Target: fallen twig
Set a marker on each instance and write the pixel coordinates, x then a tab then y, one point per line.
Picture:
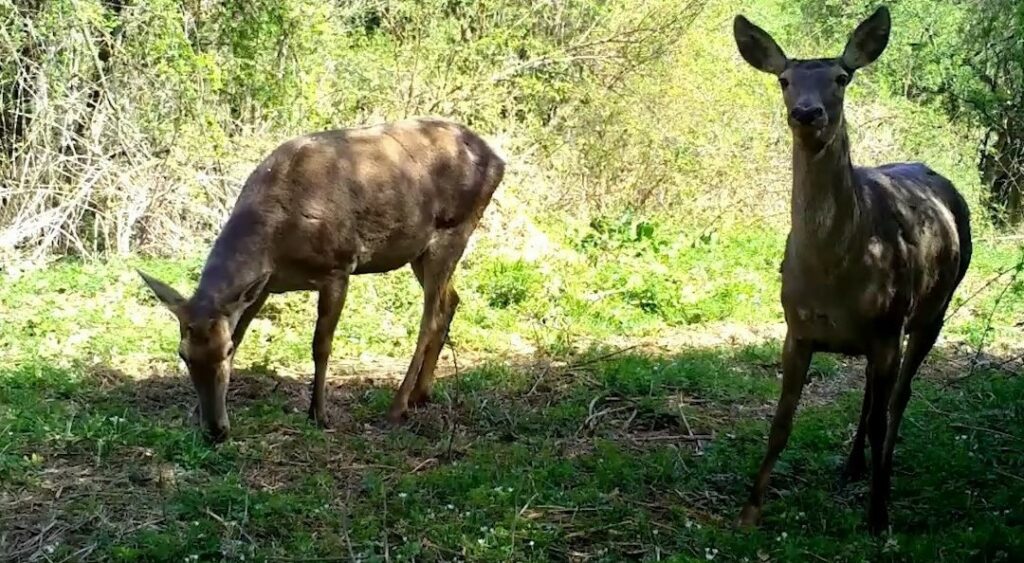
219	520
451	405
679	437
981	289
536	382
423	464
602	357
989	430
689	430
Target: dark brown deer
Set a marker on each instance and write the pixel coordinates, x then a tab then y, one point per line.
873	255
319	209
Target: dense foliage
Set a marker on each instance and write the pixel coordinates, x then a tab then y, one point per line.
120	119
129	125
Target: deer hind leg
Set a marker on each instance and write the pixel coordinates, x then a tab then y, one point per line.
884	359
425	379
437	264
918	345
856	464
329	306
796	358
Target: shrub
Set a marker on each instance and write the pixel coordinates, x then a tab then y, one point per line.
505	283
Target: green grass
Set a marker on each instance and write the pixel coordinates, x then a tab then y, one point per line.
557	440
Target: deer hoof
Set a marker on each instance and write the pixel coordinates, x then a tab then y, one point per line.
419	398
750	516
319	418
397	415
854	470
878	522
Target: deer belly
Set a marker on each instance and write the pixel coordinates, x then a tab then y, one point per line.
394	253
285	280
831	330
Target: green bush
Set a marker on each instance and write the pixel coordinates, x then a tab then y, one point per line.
131	126
623	233
506	283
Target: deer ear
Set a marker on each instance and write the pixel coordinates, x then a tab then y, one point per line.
868	41
245	295
165	293
757	47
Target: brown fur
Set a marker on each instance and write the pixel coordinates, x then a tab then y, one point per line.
873	254
325	206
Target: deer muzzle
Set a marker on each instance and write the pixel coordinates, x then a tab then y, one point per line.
213	412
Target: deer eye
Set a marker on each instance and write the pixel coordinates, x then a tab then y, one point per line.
230	350
784	83
843	79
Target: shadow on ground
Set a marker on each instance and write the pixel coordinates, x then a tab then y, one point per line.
610	455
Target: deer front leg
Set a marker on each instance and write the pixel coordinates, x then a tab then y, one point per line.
796	358
329	306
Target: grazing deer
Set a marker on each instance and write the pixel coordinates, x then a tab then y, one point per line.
873	254
319	209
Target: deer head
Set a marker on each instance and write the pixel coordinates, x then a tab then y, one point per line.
813	89
206	345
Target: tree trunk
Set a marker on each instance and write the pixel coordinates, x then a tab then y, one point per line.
1001	168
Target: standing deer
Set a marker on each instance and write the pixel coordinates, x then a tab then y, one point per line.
319	209
873	254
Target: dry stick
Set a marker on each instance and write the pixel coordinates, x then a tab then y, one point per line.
689	430
632	417
1012	359
991	313
424	463
81	554
219	520
570	367
242	469
346	522
946	414
455	398
1003	238
601	358
690	438
984	286
536	383
986	429
309	559
519	514
593	417
384	532
1008	474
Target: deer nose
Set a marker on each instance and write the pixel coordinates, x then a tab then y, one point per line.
806	115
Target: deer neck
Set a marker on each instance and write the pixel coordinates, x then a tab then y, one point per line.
825	211
238	257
